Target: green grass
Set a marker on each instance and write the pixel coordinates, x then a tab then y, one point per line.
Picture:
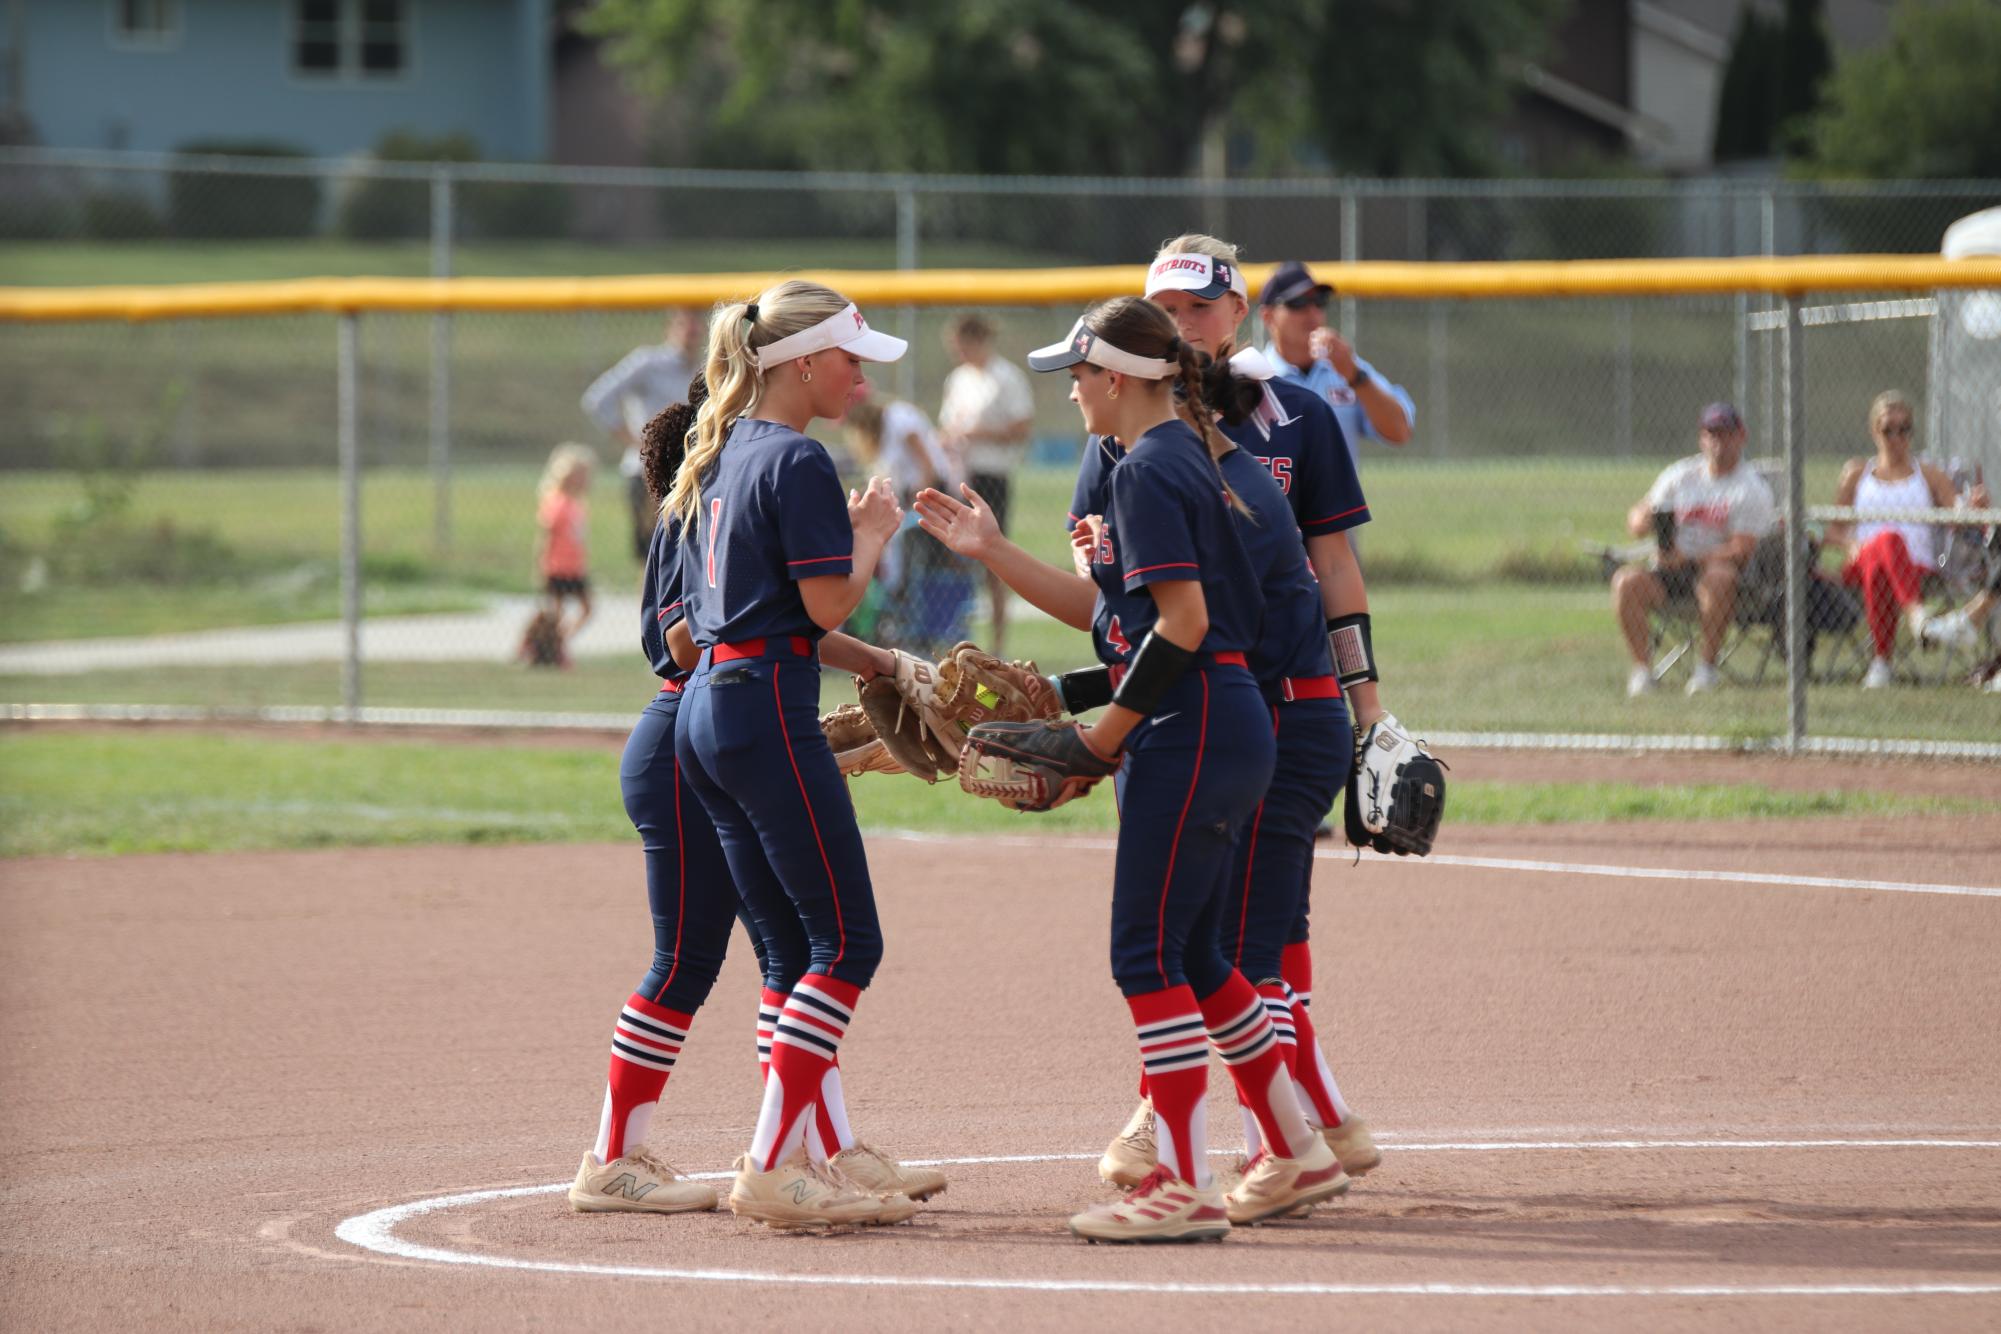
96	263
109	793
1465	646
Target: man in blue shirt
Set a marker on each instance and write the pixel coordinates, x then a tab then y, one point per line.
1294	309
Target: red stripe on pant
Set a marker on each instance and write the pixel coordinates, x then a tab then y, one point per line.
812	820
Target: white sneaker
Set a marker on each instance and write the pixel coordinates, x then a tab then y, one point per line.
641	1182
1878	675
1639	681
1952	629
1703	678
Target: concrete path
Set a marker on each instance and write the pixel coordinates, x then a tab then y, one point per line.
491	635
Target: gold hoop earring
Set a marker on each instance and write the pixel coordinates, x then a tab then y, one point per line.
1113	392
805	377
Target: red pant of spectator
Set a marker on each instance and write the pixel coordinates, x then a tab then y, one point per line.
1890	581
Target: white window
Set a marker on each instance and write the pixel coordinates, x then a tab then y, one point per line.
145	25
349	39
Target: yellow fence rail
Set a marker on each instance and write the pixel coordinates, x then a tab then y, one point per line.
1790	276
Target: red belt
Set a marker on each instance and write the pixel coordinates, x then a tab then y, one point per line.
802	647
670	687
1229	658
1309	687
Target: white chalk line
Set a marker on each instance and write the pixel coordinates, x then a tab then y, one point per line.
376	1231
1516	864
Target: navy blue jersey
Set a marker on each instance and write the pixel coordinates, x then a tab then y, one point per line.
660	603
1308	457
773	513
1293	638
1166	519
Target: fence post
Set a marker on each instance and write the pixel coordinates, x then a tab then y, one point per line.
906	259
1622	375
1438	418
441	365
347	408
1351	250
1793	375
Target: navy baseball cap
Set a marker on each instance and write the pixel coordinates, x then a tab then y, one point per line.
1721	417
1289	282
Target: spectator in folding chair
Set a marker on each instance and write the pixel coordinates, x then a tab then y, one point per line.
1707	513
1889	559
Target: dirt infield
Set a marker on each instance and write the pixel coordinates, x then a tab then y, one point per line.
1673	1101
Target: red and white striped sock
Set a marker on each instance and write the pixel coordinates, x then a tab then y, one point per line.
830	1114
804	1043
1319	1096
1278	1008
1174	1053
769	1003
644	1047
1237	1024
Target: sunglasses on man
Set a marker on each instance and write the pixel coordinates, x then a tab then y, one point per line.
1317	300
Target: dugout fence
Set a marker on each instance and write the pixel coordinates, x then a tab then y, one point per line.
246	487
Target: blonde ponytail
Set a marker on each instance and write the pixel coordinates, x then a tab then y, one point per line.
736	385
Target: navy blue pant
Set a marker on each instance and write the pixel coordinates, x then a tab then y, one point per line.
1271	875
1194	773
751	747
687	881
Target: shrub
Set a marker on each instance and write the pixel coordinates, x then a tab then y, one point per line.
119	215
516	210
215	206
380	209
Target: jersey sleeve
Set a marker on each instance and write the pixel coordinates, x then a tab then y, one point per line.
1088	496
812	515
1661	493
1394	390
1155	540
1326	495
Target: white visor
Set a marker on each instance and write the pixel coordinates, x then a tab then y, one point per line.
1083	345
1202	275
847	331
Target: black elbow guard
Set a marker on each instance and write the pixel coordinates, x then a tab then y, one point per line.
1155	668
1354	651
1085	689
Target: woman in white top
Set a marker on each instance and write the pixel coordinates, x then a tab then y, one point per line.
929	587
1889	559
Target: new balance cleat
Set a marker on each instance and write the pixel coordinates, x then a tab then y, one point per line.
804	1195
639	1183
874	1170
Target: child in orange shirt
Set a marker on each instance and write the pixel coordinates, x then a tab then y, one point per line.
563	549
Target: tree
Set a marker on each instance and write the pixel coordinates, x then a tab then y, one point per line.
1926	103
1803	63
1747	109
1103	86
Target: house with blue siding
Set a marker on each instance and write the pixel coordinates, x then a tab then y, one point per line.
328	77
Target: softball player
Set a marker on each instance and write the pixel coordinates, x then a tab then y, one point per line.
1174	603
774	557
1294	435
692	902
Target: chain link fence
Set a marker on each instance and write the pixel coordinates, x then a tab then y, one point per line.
170	523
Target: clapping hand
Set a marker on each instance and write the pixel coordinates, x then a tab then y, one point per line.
965	528
874	512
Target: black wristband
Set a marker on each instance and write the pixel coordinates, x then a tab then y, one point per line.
1354	651
1155	668
1085	689
1362	377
